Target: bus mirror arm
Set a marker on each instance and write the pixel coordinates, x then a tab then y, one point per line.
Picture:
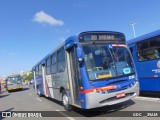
80	54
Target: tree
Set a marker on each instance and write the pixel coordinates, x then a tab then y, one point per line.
27	77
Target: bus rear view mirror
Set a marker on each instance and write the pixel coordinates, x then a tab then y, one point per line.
80	54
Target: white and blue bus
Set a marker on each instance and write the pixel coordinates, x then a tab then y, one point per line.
90	70
146	53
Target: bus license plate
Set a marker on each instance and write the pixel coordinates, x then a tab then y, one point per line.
104	76
120	95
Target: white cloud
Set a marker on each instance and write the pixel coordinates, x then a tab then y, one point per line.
42	17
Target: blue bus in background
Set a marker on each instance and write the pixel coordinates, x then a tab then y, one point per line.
89	70
146	53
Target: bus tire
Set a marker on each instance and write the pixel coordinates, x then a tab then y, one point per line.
38	92
65	101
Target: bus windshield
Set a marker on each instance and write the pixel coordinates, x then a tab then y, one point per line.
14	80
107	61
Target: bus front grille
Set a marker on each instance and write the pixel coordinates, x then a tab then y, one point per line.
114	98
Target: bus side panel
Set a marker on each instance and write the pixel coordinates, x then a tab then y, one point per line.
39	84
147	80
147	84
147	69
146	75
59	81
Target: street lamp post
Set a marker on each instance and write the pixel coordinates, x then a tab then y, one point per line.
132	24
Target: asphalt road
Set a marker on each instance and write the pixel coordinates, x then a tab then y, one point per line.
27	100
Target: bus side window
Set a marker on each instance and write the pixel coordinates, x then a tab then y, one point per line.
61	60
40	69
157	53
155	46
36	70
54	63
140	58
142	50
48	62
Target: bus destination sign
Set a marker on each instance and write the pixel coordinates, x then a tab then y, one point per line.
101	37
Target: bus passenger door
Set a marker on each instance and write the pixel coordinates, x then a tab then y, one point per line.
75	75
44	80
47	82
35	81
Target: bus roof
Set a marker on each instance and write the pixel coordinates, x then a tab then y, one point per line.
143	37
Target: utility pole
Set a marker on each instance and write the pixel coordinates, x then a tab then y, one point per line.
132	24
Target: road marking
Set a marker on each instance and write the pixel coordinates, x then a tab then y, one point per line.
39	99
147	99
29	93
65	115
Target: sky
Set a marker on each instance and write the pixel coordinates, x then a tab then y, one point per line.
30	29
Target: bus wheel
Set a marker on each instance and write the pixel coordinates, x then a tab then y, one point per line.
65	101
38	92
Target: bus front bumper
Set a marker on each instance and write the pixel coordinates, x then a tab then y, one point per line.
94	99
15	88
